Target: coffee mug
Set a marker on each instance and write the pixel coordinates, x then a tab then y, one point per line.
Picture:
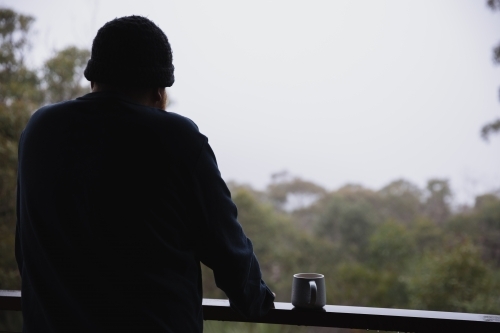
308	291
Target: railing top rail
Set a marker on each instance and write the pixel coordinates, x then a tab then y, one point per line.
335	316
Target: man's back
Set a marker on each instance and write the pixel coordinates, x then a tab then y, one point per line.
118	203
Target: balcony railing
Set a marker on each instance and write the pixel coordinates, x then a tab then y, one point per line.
335	316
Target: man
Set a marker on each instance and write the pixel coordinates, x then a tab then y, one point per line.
119	201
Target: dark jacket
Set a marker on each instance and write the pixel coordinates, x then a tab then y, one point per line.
117	205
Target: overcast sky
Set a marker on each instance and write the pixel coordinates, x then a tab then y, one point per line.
333	91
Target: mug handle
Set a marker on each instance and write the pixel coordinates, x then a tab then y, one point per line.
313	291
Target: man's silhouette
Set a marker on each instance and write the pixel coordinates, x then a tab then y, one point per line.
119	201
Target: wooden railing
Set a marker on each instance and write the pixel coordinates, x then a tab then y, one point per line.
336	316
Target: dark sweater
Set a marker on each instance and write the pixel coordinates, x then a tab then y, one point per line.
117	205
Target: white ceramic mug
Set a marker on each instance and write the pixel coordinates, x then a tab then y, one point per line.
308	291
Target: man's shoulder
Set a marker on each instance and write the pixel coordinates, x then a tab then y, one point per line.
183	131
50	111
181	121
100	107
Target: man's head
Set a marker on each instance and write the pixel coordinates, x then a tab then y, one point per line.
133	55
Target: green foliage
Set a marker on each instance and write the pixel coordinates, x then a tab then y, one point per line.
357	284
282	250
487	215
386	256
426	235
390	246
228	327
348	218
456	280
437	205
373	252
63	73
493	126
401	201
296	191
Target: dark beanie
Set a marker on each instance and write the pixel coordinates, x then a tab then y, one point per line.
131	51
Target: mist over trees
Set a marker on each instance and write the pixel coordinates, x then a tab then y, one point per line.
401	246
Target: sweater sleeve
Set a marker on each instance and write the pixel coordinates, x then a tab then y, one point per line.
18	252
222	244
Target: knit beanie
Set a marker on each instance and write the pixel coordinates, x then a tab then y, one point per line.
131	51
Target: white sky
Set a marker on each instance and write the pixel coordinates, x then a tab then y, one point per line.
332	91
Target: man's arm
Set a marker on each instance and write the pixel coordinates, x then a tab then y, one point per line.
223	246
18	251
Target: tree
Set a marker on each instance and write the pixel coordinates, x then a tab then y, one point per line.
493	126
487	215
494	4
347	221
281	248
456	280
437	205
288	193
390	246
296	196
402	201
63	73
